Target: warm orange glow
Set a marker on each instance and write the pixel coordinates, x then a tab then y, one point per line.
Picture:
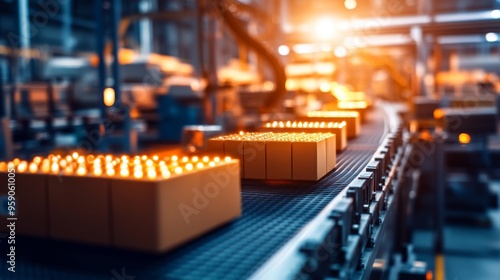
110	172
429	275
438	114
124	173
138	174
23	166
68	170
464	138
37	160
350	4
55	167
352	104
109	97
325	87
33	167
151	173
98	172
81	170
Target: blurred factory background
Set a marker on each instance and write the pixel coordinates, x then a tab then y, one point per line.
142	76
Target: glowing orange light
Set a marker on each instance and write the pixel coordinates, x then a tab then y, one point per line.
464	138
23	166
151	173
438	114
138	174
165	173
37	160
110	172
55	167
98	172
124	173
33	167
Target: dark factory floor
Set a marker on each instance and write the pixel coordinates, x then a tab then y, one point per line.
471	252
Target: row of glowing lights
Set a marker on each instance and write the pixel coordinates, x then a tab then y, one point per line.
290	124
270	136
138	167
353	104
333	114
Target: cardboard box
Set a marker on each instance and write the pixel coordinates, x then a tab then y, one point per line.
30	203
331	153
79	208
234	149
215	146
158	215
279	160
340	132
254	159
308	159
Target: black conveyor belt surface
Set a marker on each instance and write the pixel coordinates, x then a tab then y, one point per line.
272	215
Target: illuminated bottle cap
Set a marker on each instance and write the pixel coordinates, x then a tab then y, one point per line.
54	167
189	166
68	170
98	172
23	166
33	167
178	170
165	173
124	173
37	160
151	174
138	174
110	172
81	170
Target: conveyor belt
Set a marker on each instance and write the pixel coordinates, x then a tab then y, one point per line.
272	214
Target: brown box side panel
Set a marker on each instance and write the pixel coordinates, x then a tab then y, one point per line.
79	209
279	160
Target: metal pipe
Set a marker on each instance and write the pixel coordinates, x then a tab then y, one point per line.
102	66
123	109
24	34
67	40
